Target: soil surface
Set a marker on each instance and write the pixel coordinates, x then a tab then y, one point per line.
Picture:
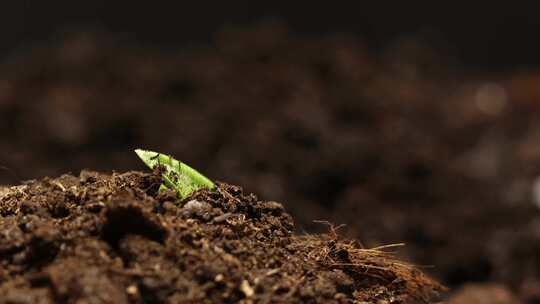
98	238
402	145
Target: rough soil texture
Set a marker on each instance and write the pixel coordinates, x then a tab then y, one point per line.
402	146
98	238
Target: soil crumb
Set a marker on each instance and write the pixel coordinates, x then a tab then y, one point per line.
100	238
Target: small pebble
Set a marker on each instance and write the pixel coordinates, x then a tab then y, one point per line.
219	278
247	289
131	290
195	205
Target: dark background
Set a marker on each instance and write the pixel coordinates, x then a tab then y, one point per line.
409	122
481	34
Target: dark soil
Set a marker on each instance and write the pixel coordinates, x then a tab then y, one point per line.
98	238
402	146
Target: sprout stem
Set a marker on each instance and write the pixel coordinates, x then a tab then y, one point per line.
177	175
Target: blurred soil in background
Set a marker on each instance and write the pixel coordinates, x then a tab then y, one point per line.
402	145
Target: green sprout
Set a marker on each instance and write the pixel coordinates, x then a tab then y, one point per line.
175	175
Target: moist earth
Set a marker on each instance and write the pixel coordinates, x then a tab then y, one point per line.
98	238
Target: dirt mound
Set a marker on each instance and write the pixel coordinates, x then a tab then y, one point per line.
98	238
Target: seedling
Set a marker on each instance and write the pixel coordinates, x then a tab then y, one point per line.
175	174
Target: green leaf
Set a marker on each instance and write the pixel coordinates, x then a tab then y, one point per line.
176	175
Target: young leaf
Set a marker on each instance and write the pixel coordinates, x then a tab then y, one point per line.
176	175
